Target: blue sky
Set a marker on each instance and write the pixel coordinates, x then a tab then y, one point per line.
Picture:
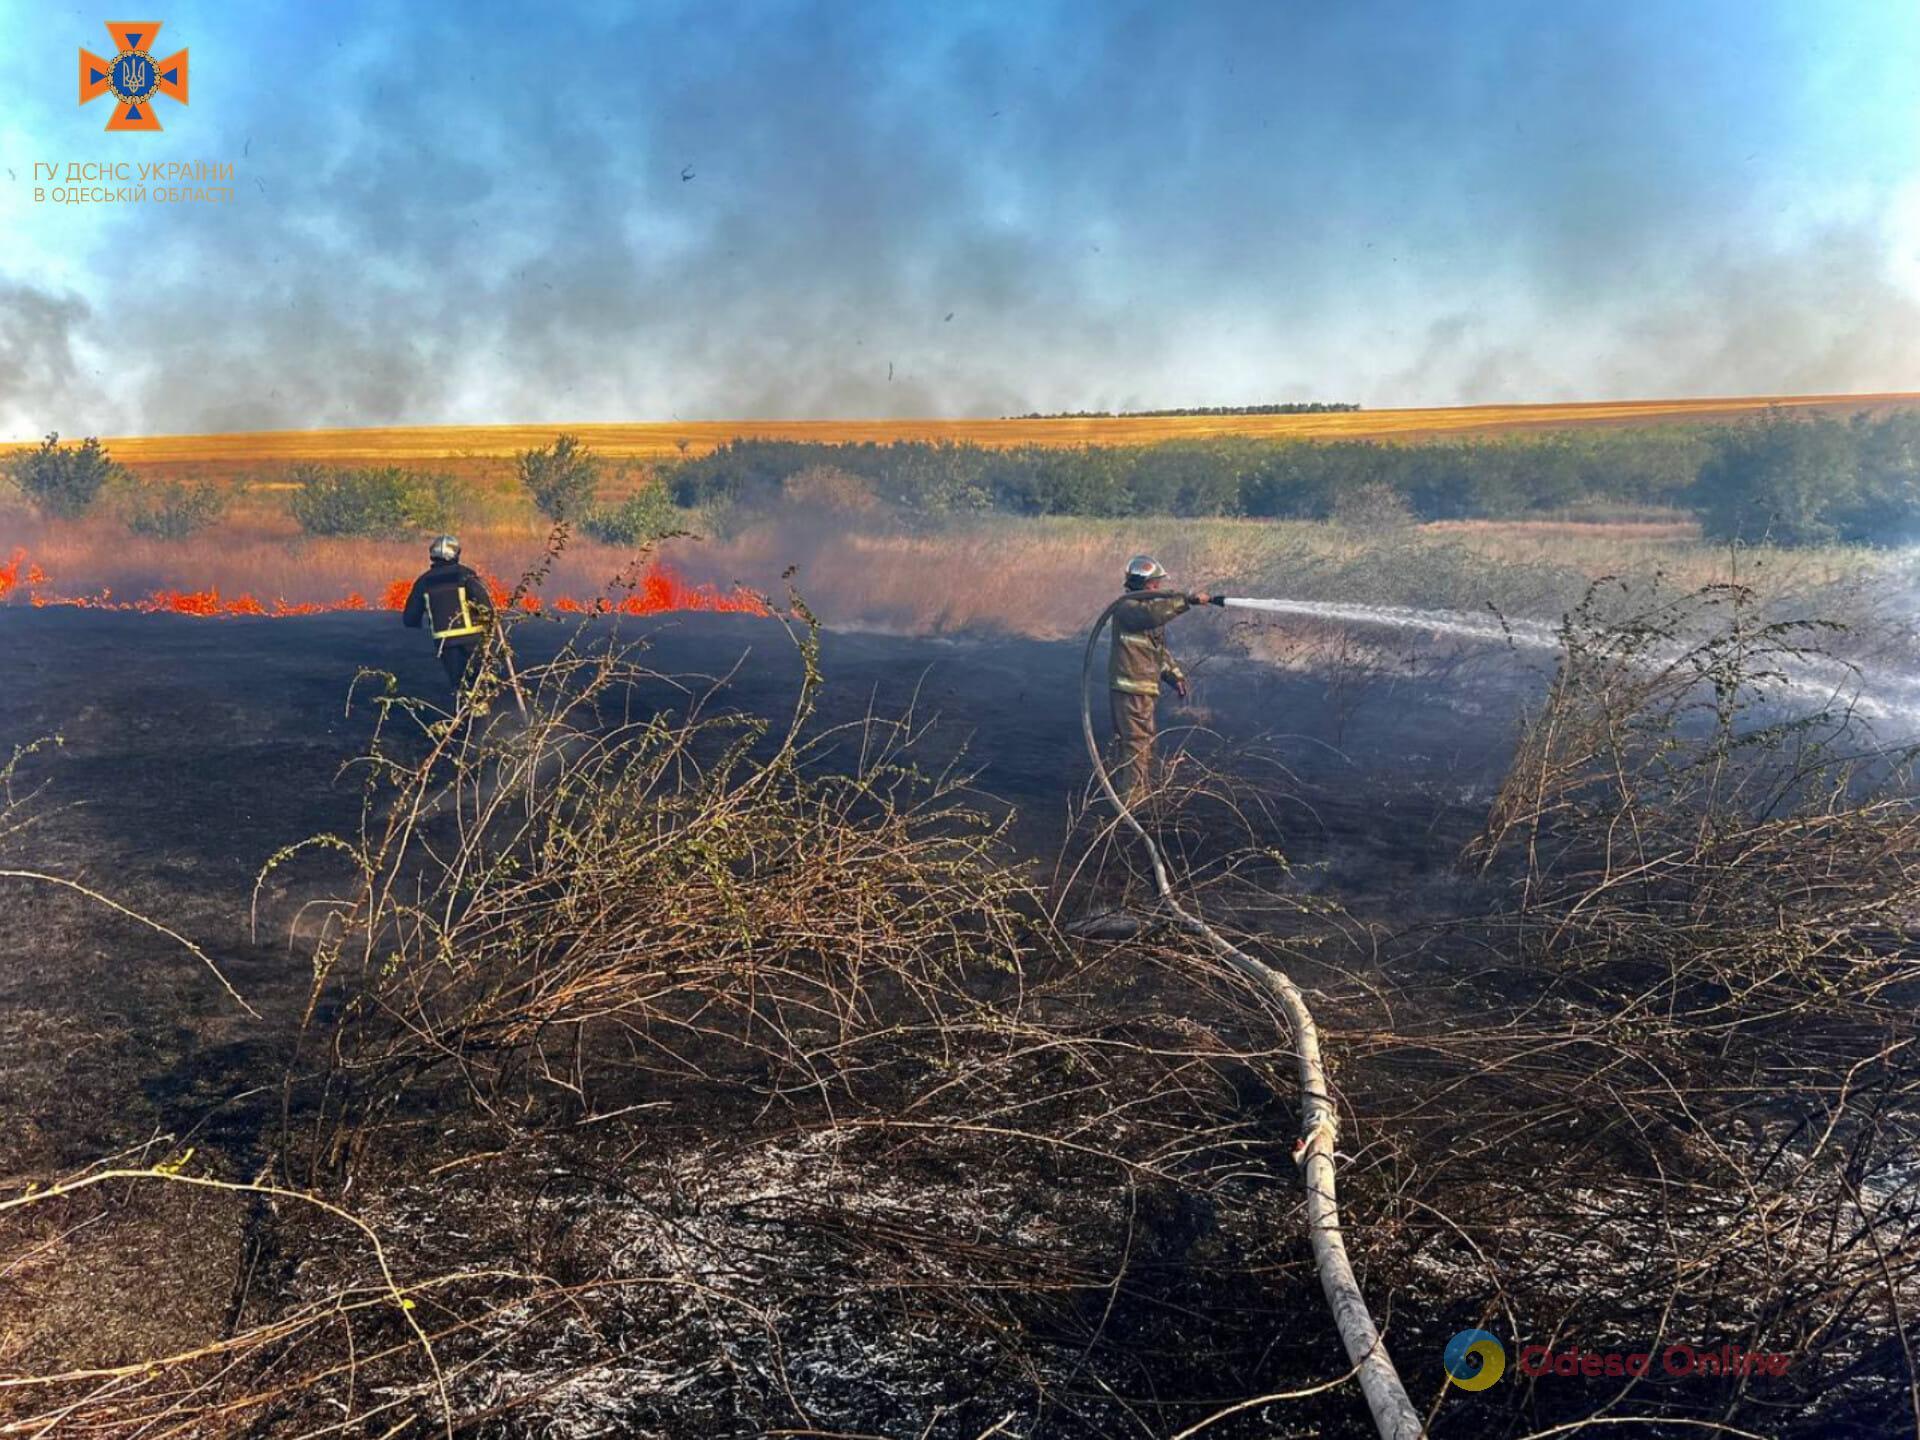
475	213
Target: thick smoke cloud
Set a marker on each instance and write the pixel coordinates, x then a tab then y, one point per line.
895	211
40	375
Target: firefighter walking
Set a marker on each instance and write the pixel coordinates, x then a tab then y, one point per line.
1139	665
451	601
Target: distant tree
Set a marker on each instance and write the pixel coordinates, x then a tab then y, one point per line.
1290	407
371	502
563	478
174	510
63	481
1886	504
646	514
1783	478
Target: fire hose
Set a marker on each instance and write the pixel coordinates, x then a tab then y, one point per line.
1393	1413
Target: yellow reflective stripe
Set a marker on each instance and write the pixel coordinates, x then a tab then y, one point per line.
1130	637
467	626
1137	687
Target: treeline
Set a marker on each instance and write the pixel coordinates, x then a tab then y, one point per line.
1289	479
1291	407
1785	477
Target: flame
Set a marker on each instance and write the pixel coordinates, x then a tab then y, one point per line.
657	591
10	573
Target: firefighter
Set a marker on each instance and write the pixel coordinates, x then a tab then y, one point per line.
452	600
1139	665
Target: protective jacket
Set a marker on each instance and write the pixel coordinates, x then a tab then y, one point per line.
1140	660
436	599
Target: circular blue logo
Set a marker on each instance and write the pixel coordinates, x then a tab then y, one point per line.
1474	1359
134	75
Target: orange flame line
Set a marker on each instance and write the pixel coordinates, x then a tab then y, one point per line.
659	590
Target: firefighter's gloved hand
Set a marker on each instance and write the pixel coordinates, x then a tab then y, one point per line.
1180	688
1200	599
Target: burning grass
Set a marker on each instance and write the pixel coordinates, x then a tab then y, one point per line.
1038	577
652	589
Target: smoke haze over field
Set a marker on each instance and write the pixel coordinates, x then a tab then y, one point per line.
467	214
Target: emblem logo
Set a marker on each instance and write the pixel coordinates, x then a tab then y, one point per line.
133	77
1474	1359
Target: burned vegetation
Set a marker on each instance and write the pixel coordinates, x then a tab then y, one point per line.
709	1077
694	1072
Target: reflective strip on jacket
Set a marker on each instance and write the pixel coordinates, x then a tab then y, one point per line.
1140	660
450	602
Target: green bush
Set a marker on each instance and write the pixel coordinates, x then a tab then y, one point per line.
174	510
647	514
63	481
381	501
1808	480
563	478
1789	478
1784	479
1224	475
1886	509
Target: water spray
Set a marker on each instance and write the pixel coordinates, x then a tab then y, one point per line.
1810	679
1458	624
1393	1413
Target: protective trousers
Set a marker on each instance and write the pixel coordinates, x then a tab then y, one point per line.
455	658
1133	728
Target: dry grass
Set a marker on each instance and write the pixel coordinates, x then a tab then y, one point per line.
659	1082
484	452
1034	577
1671	547
270	560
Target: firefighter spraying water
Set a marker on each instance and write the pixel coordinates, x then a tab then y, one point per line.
1140	664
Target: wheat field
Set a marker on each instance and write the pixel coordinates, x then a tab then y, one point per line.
484	452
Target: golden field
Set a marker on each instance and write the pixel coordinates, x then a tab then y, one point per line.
484	452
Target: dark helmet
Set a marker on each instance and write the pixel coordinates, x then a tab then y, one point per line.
444	548
1142	570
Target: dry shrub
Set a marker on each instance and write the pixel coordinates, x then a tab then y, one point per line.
831	489
677	1076
1372	509
1684	1111
532	898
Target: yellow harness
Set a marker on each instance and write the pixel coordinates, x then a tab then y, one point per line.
468	624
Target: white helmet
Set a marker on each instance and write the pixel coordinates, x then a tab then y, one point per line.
1142	570
444	547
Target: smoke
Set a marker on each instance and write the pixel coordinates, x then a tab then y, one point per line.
810	209
40	373
1828	315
